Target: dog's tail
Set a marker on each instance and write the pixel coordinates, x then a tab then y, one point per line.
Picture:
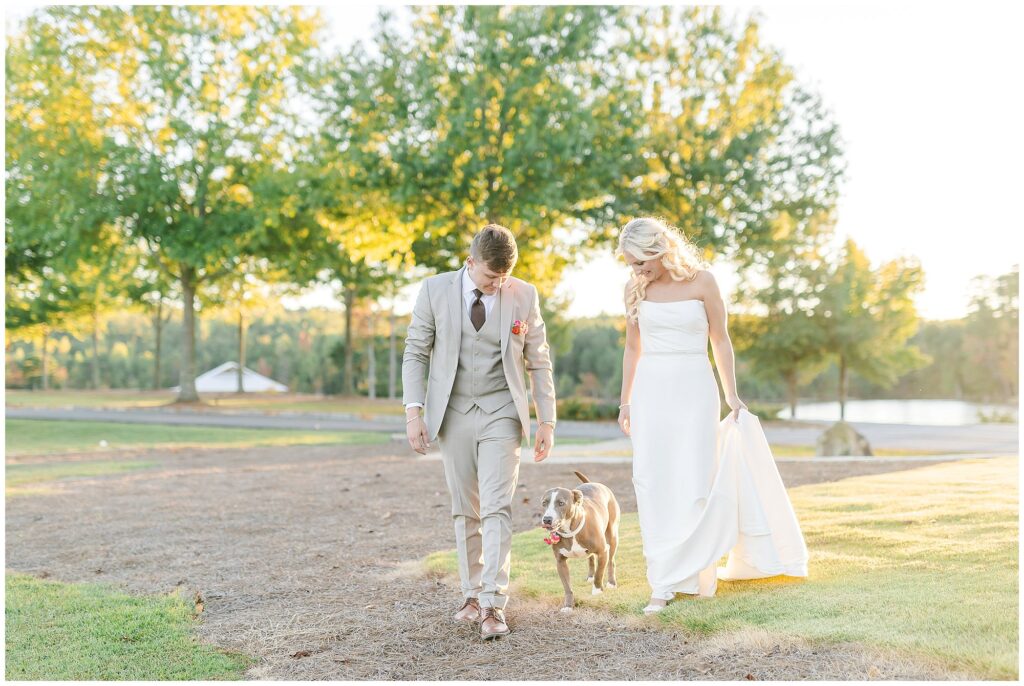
582	478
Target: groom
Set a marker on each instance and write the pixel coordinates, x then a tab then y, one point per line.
478	330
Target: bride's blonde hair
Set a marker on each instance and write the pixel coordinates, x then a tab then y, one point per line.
648	237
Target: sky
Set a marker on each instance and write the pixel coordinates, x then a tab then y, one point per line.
928	105
929	113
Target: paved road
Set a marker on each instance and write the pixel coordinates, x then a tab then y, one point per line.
976	438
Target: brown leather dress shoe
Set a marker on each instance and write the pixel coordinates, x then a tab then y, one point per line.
469	612
492	623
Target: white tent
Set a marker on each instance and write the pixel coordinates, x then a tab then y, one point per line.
224	379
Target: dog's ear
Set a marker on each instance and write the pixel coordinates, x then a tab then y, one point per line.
577	496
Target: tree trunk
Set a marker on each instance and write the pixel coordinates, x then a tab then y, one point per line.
46	375
96	346
347	386
791	393
241	351
187	376
158	324
392	355
842	388
371	351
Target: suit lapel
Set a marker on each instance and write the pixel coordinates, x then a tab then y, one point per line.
505	305
455	307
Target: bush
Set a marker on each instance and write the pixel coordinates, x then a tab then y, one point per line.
996	416
584	409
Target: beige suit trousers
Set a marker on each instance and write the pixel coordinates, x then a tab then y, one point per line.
480	453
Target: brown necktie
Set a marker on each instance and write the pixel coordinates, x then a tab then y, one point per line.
477	313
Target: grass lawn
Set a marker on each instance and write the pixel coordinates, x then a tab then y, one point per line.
923	560
356	406
795	451
23	479
33	437
88	632
16	398
268	402
810	451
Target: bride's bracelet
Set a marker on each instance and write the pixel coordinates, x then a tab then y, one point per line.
623	405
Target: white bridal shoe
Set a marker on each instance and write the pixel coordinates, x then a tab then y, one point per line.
654	609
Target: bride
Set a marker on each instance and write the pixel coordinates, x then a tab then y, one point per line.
698	495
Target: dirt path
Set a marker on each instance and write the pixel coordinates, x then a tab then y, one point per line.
306	559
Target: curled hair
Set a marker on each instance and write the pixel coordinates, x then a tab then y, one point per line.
648	237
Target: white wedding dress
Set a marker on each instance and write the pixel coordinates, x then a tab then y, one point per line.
704	487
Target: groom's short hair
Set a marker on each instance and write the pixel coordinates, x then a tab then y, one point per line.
495	246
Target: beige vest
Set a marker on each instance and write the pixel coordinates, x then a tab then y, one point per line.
480	377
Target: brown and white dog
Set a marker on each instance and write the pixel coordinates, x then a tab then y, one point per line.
586	521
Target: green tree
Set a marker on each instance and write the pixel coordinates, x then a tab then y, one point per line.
504	114
246	294
325	229
38	305
948	375
153	290
786	345
59	211
594	360
732	149
200	101
56	154
356	282
105	275
991	335
780	338
868	315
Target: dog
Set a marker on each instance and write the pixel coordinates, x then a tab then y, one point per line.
584	523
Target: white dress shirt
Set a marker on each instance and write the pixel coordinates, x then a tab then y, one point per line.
470	297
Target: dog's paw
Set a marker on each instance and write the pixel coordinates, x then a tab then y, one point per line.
566	610
596	591
611	584
590	579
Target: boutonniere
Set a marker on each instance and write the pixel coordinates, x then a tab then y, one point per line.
519	327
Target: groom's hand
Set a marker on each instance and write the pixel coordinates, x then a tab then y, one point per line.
416	432
544	442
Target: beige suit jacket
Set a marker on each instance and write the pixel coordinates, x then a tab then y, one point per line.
434	337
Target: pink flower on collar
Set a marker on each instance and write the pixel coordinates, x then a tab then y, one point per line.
519	327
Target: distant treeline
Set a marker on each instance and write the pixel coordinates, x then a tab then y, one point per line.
974	358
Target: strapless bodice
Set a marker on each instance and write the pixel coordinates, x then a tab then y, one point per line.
678	326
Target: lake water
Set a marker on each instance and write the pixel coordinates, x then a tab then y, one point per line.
931	412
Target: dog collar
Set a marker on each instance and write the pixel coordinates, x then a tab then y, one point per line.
574	531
